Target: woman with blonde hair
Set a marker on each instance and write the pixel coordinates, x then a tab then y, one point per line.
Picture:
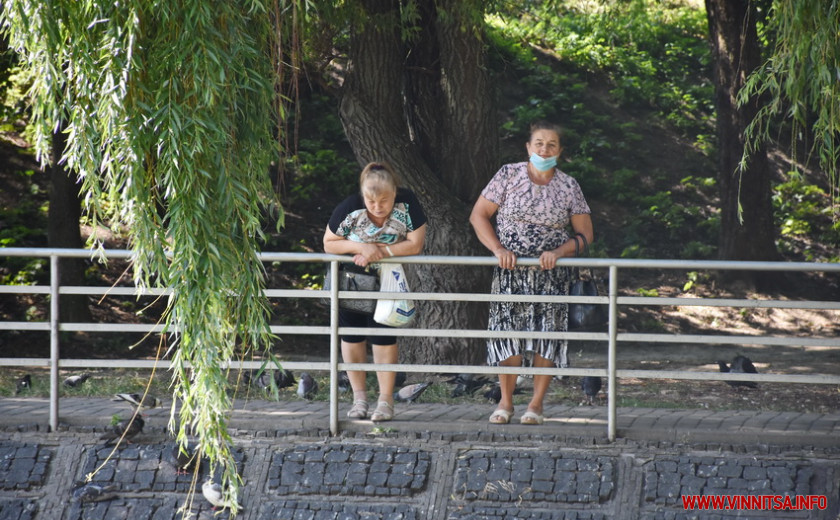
381	220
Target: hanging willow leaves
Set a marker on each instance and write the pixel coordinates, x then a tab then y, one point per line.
801	80
168	110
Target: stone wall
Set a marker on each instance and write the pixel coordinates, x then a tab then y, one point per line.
307	475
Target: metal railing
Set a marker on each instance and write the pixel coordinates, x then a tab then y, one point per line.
612	337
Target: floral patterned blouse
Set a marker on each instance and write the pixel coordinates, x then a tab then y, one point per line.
533	218
350	219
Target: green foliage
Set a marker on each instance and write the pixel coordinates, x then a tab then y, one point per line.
806	209
25	271
655	53
166	110
313	171
799	82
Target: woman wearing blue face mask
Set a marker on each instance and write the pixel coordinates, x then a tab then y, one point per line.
539	209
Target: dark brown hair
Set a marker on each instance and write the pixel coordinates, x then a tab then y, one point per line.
545	125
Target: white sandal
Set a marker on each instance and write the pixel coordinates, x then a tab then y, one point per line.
384	412
359	410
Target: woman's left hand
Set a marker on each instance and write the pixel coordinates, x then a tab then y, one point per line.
548	259
370	253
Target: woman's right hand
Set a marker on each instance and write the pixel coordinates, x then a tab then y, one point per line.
507	260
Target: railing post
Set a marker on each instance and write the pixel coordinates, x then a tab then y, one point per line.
612	330
55	283
335	345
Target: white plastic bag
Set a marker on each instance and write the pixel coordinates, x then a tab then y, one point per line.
395	313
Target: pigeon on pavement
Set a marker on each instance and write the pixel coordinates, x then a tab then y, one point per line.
212	491
137	400
410	393
591	385
186	458
343	381
259	378
74	381
130	427
467	384
495	393
740	365
307	386
91	492
23	383
284	378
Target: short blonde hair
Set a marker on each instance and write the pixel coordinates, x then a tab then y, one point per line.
381	178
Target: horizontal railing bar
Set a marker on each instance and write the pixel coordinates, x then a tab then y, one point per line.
727	302
443	369
310	365
725	340
622	263
24	289
723	376
24	325
459	333
115	291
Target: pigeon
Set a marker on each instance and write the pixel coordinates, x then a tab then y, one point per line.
343	382
130	427
307	386
284	378
740	365
591	385
24	383
495	393
212	491
91	492
410	393
259	378
467	384
139	401
186	458
74	381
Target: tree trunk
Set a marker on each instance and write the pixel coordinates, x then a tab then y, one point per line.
748	234
451	103
375	105
63	231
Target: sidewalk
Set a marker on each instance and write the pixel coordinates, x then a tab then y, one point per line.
640	424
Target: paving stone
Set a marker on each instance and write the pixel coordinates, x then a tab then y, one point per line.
383	471
23	466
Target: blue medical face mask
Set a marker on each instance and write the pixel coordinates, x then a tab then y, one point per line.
543	164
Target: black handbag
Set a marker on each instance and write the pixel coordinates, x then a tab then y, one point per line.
584	315
354	278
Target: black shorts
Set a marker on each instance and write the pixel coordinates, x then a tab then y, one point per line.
354	319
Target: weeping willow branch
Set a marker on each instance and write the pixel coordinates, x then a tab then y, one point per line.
801	80
168	109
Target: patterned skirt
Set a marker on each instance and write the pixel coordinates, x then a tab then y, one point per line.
525	316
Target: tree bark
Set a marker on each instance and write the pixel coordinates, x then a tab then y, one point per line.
453	118
748	234
63	231
386	118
